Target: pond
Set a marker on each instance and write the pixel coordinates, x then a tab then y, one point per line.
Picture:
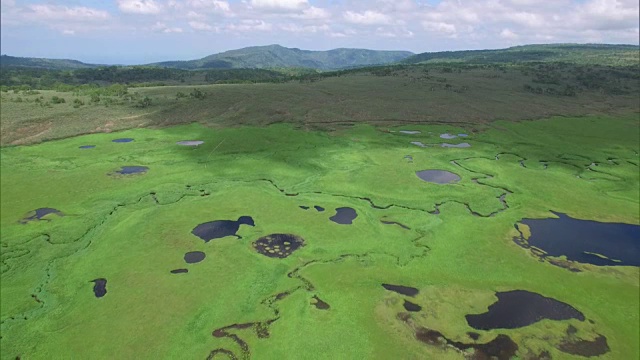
221	228
438	176
87	146
278	245
344	216
585	241
519	308
400	289
123	140
193	257
461	145
190	142
99	287
130	170
38	214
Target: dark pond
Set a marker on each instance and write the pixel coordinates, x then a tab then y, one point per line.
473	335
318	208
179	271
519	308
586	241
409	306
190	142
438	176
99	287
123	140
461	145
221	228
319	304
404	290
38	214
193	257
278	245
87	146
304	207
344	216
129	170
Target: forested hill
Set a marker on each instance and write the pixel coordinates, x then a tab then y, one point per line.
276	56
42	63
596	54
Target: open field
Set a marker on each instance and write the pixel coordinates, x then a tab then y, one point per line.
453	243
464	95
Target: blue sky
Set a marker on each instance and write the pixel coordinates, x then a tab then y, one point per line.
143	31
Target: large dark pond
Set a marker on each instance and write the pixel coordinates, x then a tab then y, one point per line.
193	257
38	214
99	287
278	245
586	241
438	176
221	228
344	216
519	308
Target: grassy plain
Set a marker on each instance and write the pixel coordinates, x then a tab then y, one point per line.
465	95
133	230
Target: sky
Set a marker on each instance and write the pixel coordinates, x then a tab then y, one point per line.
145	31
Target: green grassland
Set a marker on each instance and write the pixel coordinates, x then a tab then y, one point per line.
132	230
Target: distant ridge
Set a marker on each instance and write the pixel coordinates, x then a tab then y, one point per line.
276	56
602	54
43	63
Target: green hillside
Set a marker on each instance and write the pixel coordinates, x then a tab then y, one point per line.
596	54
276	56
55	64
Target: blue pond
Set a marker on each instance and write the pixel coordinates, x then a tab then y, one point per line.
585	241
87	146
123	140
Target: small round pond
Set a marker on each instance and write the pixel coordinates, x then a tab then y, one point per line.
193	257
344	216
438	176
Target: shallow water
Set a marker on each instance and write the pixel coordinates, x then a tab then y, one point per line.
123	140
448	136
585	241
519	308
318	208
190	142
418	143
460	145
129	170
409	132
438	176
344	216
180	271
38	214
221	228
278	245
87	146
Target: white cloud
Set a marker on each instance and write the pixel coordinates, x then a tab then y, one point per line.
368	17
64	13
163	28
286	5
312	13
68	32
508	34
249	25
139	6
197	25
